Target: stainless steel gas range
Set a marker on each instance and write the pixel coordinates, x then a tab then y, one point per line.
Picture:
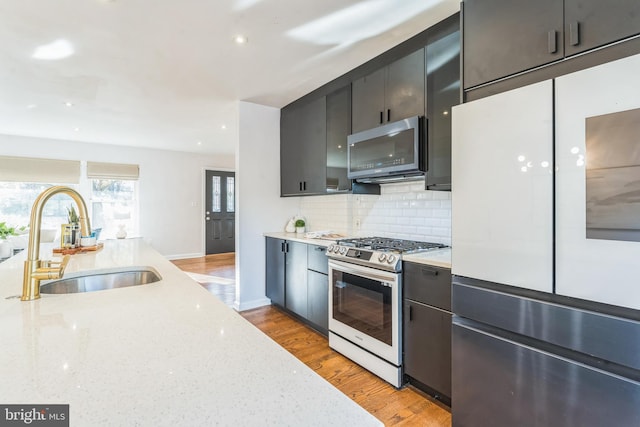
365	301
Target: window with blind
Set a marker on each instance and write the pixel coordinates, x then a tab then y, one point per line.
114	198
22	179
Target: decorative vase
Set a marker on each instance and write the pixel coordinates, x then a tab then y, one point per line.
299	230
6	248
122	233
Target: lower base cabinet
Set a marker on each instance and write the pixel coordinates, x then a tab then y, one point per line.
295	284
427	359
297	281
427	328
318	300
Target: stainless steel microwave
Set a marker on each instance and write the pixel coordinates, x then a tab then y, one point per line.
391	152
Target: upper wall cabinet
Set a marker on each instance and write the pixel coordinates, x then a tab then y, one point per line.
389	94
594	23
303	133
338	128
443	92
505	37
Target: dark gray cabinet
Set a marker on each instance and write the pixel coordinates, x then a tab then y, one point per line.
442	92
303	131
286	274
275	270
427	328
505	37
296	280
389	94
338	128
594	23
428	336
318	300
318	287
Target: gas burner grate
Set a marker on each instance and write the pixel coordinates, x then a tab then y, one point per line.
390	244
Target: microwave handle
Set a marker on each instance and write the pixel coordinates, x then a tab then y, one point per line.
425	139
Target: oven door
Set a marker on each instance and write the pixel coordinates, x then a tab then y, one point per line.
364	308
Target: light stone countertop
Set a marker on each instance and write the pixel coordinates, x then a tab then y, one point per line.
162	354
295	237
438	258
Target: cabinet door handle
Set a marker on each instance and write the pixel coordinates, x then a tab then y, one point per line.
429	272
320	248
281	246
304	185
574	33
410	313
286	247
552	41
389	114
381	117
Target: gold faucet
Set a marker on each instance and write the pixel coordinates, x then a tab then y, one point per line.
34	269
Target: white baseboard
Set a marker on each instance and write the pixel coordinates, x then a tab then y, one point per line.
248	305
184	256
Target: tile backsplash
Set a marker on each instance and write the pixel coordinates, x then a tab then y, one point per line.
403	210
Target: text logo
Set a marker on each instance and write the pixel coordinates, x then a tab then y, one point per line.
34	415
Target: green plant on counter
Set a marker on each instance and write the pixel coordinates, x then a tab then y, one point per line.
72	215
6	231
299	222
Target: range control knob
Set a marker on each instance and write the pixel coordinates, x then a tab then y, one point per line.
391	259
343	250
382	257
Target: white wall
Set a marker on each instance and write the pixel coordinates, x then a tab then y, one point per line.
260	207
170	186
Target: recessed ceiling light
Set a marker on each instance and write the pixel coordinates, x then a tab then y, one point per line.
31	106
199	143
76	129
58	49
223	127
240	39
68	104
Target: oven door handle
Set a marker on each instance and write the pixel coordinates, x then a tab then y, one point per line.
348	268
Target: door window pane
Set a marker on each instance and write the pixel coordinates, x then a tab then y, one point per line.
215	194
231	190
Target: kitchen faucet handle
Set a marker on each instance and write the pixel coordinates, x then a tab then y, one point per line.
63	264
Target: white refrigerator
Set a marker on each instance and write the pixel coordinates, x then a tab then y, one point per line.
546	252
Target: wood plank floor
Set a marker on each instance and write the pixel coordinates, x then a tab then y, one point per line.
406	407
223	265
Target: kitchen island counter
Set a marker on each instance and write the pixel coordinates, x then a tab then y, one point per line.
166	353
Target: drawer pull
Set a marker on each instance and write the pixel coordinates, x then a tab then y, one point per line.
430	272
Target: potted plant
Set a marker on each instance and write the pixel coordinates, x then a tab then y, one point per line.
300	225
6	249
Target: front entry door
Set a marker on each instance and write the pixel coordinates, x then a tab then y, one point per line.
220	208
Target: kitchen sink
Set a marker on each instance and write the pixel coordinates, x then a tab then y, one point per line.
99	281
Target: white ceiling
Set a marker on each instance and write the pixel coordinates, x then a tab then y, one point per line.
167	73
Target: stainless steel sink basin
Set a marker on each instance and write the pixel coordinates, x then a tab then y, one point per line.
98	281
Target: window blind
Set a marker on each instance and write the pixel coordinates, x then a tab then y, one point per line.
98	170
27	169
